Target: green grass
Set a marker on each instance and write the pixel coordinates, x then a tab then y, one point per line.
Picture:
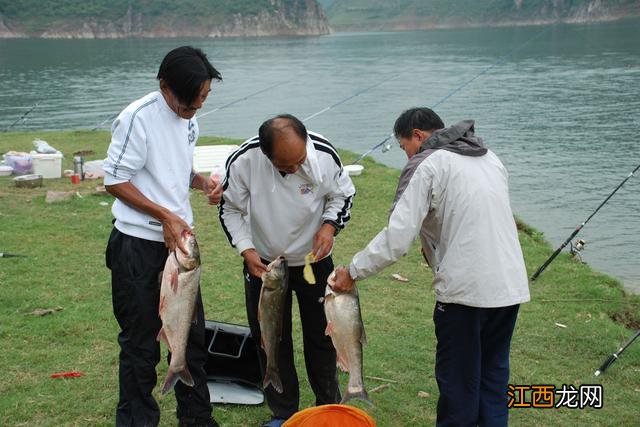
65	245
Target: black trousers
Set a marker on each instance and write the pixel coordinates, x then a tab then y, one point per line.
319	354
472	364
135	266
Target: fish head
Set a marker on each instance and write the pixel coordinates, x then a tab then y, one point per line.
331	280
276	272
330	294
191	259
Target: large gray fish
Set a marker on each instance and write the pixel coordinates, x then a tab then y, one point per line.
345	327
270	315
178	293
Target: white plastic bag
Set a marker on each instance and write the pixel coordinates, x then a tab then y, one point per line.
43	147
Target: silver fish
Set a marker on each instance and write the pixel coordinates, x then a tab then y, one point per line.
178	292
270	315
345	327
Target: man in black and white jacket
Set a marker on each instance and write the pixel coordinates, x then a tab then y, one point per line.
286	193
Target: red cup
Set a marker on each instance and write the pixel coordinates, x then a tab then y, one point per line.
75	178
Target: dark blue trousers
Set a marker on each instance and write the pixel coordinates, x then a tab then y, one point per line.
472	364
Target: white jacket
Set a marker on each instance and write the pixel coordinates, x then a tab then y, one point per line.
459	205
279	215
152	147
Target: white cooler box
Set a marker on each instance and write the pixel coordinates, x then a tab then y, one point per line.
47	165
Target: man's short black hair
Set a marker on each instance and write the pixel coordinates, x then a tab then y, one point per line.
184	70
416	118
267	130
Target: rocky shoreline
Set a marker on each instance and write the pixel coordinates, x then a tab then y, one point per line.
303	19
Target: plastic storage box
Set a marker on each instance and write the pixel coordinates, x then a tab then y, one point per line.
47	165
232	366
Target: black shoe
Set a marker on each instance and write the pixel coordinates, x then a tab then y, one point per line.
193	422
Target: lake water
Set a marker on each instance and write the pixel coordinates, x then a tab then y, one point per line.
560	105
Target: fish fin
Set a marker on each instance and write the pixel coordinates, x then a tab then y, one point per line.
361	395
329	329
162	336
185	377
172	379
169	382
363	336
271	377
341	363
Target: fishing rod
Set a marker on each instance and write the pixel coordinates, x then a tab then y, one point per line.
212	111
617	354
99	125
501	61
22	117
8	255
578	228
243	98
324	110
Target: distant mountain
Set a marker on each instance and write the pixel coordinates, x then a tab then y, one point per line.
160	18
376	15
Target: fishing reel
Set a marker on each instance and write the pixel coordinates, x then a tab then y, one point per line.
386	147
576	250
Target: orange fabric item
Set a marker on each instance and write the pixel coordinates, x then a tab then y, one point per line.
330	416
69	374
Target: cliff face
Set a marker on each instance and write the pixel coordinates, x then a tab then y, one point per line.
376	15
261	18
5	32
301	18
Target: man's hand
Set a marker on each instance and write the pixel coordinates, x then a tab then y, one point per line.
340	280
254	263
213	190
323	241
172	228
172	225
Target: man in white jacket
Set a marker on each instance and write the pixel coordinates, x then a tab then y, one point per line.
149	170
453	193
286	194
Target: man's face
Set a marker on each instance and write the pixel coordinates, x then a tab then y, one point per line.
412	143
289	151
186	111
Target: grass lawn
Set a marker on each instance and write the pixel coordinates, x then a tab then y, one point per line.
64	267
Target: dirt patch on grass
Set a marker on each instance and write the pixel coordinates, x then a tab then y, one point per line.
628	317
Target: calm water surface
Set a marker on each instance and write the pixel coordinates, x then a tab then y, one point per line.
560	105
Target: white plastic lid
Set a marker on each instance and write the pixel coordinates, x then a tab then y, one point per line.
36	155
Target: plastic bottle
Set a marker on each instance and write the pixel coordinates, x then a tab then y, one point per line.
78	166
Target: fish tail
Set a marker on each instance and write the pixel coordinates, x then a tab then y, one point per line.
272	377
172	378
361	395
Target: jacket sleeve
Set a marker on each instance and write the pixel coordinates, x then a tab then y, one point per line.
337	211
127	153
405	221
234	208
